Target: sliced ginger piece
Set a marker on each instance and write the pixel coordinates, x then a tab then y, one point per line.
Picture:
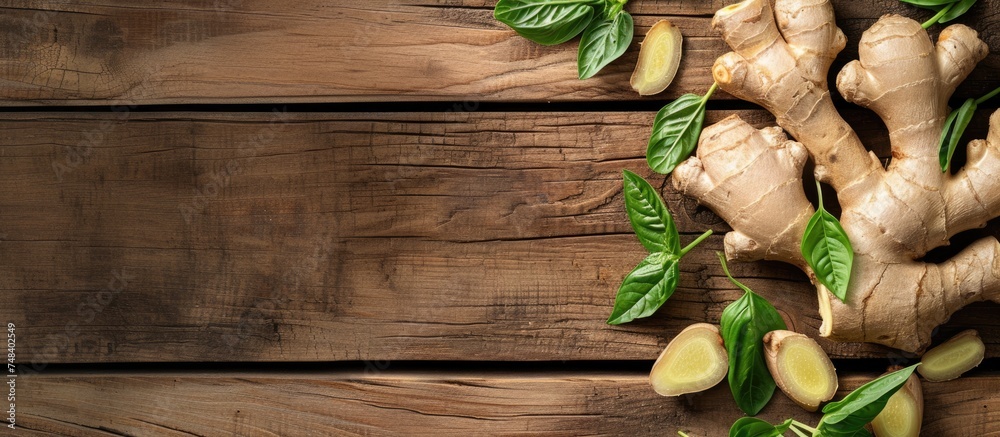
904	412
800	368
951	359
659	58
693	361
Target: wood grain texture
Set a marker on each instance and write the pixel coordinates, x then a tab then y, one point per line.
297	237
238	51
399	403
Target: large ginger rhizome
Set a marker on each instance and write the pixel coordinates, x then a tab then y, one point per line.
893	216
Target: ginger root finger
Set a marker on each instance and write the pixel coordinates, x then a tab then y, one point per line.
693	361
800	368
951	359
730	155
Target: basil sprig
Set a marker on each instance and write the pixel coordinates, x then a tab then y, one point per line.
654	280
676	129
744	323
947	10
607	28
828	251
954	128
844	418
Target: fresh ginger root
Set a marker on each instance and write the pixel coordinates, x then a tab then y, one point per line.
893	216
904	413
695	360
800	368
951	359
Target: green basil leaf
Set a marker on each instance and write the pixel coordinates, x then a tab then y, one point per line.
744	323
613	7
954	128
675	133
645	289
603	42
649	216
828	251
925	3
834	433
849	416
956	11
945	151
546	22
751	427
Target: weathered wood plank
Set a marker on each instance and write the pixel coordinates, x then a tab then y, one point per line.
232	51
403	403
269	237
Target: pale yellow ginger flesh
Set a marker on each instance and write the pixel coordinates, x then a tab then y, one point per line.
904	412
893	216
659	58
800	368
951	359
693	361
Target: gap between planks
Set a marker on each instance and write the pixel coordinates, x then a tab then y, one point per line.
386	402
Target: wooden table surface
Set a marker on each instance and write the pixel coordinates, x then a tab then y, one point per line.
306	217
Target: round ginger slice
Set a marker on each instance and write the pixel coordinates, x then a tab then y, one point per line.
693	361
951	359
659	59
800	368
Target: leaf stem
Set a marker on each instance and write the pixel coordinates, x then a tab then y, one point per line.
797	432
937	16
681	433
694	243
988	96
803	426
725	268
715	86
819	192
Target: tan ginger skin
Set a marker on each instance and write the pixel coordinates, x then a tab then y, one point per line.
893	216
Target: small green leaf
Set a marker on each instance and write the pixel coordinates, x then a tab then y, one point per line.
546	22
957	10
849	416
675	133
603	42
649	216
744	323
645	289
751	427
954	128
927	4
828	251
